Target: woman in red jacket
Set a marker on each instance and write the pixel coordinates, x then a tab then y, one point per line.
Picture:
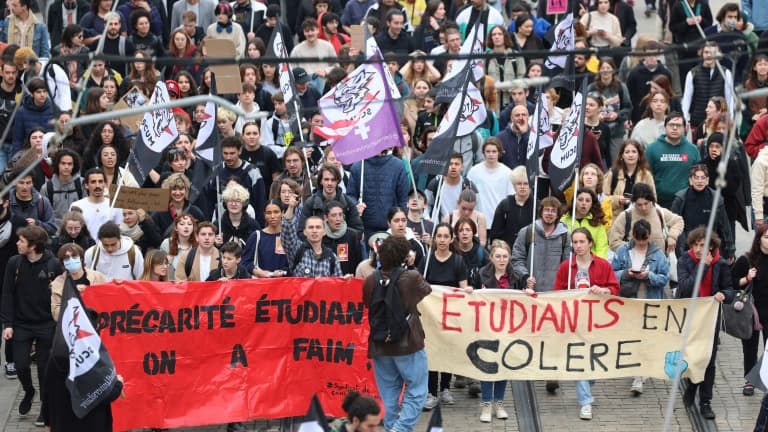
591	272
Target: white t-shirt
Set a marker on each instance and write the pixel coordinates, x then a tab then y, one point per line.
205	267
96	215
493	186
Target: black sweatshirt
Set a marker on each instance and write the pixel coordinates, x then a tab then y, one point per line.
26	298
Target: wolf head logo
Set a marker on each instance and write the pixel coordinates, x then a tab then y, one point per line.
351	92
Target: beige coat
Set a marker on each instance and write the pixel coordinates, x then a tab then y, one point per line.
675	225
57	288
642	177
194	274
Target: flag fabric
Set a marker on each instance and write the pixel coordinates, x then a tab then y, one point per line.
565	152
359	115
276	48
92	378
436	420
539	126
315	420
156	132
465	113
564	39
207	149
454	78
371	50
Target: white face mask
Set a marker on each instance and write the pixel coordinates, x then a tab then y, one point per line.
730	24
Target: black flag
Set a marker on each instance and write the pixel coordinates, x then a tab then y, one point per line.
315	420
92	377
156	132
565	152
207	149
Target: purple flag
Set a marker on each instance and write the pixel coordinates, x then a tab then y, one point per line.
358	114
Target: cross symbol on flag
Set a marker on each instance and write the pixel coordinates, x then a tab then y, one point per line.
362	130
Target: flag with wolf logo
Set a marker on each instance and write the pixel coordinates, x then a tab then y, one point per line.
156	132
207	149
359	115
567	147
276	48
454	78
465	113
92	379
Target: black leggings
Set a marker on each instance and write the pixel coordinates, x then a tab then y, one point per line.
445	382
22	348
749	347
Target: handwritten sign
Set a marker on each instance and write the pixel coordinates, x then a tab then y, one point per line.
557	7
498	335
227	75
149	199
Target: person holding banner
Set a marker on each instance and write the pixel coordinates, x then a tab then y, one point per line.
307	258
155	266
264	255
643	270
363	414
181	240
716	282
497	273
400	364
444	268
586	271
397	220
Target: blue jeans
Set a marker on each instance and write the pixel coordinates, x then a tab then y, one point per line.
392	372
5	155
584	392
493	390
762	417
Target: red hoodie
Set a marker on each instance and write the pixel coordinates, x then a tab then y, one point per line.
757	138
600	274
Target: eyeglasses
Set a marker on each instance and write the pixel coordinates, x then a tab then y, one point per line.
675	125
700	178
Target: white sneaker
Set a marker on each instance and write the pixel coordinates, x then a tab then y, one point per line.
447	398
586	412
637	386
501	413
485	412
431	402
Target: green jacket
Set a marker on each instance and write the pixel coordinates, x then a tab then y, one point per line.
669	165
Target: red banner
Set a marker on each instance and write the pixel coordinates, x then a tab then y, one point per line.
216	352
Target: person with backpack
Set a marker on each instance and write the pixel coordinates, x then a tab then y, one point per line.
28	205
666	226
26	311
66	185
396	341
115	255
307	258
197	263
513	212
327	189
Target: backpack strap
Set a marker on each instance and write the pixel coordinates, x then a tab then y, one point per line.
79	187
49	189
297	257
40	208
627	223
190	261
256	250
121	46
614	180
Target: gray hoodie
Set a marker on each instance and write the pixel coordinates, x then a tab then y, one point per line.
548	254
62	195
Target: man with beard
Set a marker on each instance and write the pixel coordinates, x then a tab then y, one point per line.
328	190
116	44
514	138
95	207
27	204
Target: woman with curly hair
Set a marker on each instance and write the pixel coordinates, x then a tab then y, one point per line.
105	133
589	215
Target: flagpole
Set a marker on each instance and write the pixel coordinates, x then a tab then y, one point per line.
362	180
533	222
573	219
434	226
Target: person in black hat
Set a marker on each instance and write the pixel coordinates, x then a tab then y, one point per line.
308	95
272	19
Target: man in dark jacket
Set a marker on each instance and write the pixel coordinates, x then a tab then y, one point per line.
395	364
328	190
26	310
386	186
36	111
640	76
514	138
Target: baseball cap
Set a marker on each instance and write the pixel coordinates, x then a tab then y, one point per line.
173	88
300	75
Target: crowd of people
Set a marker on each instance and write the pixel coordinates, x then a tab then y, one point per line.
281	204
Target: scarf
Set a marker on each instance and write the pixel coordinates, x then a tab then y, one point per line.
133	232
336	234
705	289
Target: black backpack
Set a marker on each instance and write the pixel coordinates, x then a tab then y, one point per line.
387	316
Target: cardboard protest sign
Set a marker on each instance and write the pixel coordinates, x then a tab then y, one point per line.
219	352
133	98
557	7
149	199
227	75
357	36
493	335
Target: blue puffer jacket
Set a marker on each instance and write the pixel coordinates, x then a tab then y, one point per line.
655	261
29	116
385	185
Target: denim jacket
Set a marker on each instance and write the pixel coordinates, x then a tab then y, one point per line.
40	42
